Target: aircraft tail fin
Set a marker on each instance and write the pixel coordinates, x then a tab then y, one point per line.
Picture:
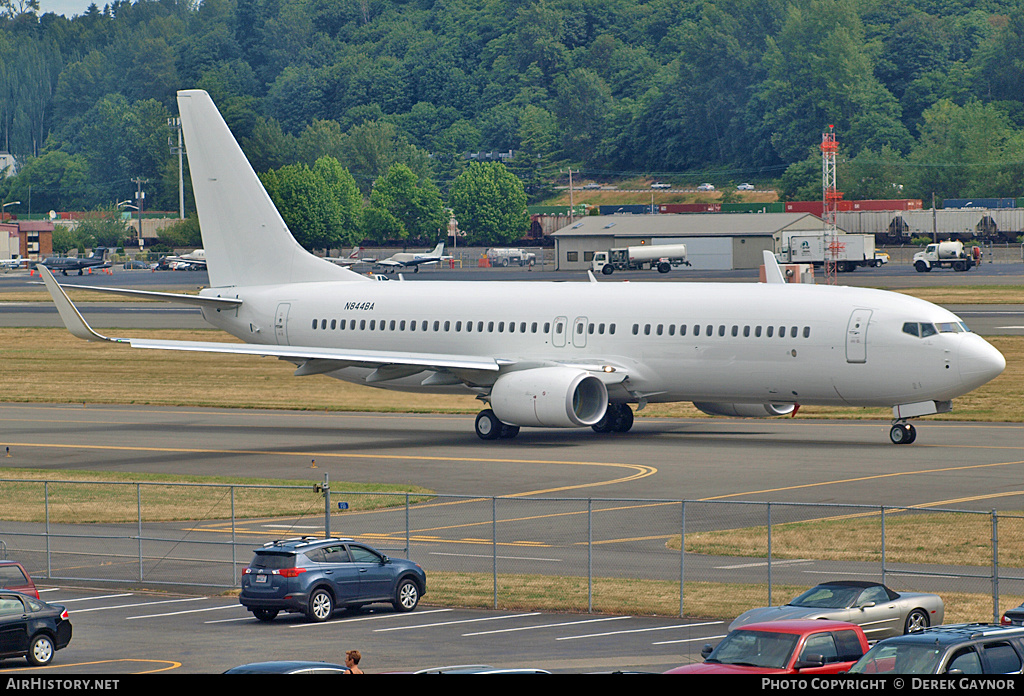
438	250
245	238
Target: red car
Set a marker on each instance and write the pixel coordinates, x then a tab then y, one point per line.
799	646
13	576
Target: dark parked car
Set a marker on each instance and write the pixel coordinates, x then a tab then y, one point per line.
31	628
288	667
953	649
1013	617
316	576
13	576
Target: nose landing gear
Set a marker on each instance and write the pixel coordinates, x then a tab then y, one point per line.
902	433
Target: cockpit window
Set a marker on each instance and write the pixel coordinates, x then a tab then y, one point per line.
923	330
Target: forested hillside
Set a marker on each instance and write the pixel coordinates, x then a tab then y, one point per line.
926	95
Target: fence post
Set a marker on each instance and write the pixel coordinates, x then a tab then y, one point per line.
770	555
46	510
995	567
234	540
590	555
327	506
138	512
682	553
494	547
882	511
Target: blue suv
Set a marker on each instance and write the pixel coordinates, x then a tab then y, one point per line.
314	576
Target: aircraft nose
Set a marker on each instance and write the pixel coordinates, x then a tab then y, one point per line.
979	361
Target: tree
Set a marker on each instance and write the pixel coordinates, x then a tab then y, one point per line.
490	204
339	184
312	215
403	206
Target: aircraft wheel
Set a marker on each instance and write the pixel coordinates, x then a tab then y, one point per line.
623	419
902	434
488	427
605	424
508	431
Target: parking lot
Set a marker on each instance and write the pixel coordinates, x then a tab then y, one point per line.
137	632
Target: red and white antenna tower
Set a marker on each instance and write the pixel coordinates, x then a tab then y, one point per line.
830	202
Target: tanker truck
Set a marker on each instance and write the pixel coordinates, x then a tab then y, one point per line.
662	257
947	255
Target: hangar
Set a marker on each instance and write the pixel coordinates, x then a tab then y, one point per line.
715	241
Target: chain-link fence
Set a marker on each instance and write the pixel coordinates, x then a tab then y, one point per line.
565	554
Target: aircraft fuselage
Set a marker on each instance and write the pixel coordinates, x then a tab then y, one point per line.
677	341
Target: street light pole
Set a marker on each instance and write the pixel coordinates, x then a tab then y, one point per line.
175	123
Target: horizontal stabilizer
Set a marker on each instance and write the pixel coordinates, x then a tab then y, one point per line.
195	300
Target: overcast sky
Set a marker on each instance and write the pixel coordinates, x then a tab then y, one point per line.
68	8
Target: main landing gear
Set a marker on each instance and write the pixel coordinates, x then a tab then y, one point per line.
618	418
488	427
902	433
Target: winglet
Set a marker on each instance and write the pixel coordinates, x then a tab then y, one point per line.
772	272
69	314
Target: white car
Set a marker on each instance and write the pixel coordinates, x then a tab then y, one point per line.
745	187
592	187
706	187
659	185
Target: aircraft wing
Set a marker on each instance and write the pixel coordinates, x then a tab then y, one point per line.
311	359
186	259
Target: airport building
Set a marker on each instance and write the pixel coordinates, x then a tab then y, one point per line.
716	241
26	239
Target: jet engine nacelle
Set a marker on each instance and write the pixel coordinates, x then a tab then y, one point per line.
745	410
549	397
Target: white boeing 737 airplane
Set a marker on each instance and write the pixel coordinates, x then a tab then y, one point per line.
554	355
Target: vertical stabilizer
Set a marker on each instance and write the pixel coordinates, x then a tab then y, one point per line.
245	238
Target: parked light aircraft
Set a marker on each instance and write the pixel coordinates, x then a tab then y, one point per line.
555	354
97	259
353	258
16	262
405	259
196	257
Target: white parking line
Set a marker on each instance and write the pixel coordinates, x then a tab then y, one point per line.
688	640
553	625
90	599
368	618
643	630
140	604
461	621
186	611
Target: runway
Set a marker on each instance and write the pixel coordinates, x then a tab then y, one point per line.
961	465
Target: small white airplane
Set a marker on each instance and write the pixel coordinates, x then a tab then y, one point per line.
353	258
192	258
13	263
412	260
548	354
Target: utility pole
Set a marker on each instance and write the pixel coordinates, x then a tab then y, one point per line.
140	198
179	150
571	207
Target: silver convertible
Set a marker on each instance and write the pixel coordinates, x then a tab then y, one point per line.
881	612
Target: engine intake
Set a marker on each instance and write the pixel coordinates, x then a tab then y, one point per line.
745	410
549	397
